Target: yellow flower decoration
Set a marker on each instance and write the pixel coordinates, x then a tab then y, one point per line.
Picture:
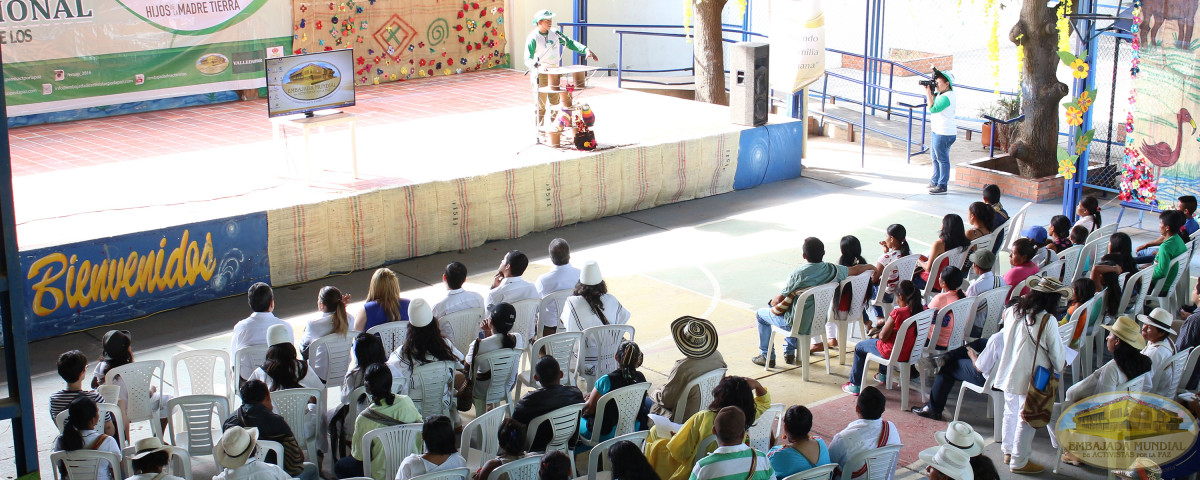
1074	116
1066	168
1085	101
1079	68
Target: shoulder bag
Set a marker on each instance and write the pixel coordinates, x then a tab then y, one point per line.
1039	402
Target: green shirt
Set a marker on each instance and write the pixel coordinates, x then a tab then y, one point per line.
811	275
402	409
1171	248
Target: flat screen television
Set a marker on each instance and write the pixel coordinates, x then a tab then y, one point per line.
310	82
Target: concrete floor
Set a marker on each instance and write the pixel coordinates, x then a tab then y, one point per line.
719	258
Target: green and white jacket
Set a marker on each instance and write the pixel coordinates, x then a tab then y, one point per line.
543	49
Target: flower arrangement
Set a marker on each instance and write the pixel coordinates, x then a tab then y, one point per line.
1076	109
1138	182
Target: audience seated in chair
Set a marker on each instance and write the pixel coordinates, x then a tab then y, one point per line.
256	412
908	303
1060	233
801	451
629	358
252	331
947	463
497	328
552	396
556	465
425	343
1156	329
1079	234
895	246
1021	259
982	220
150	459
982	262
283	368
991	196
72	368
368	350
1171	226
441	450
334	320
386	409
1185	204
118	351
730	457
1189	336
562	276
972	363
629	463
851	257
696	339
870	431
960	436
812	273
672	455
1089	213
952	235
507	284
950	282
234	453
79	433
457	298
384	303
592	306
512	447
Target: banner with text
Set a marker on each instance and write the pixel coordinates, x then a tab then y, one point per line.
100	282
70	54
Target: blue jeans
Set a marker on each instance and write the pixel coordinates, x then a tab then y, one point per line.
765	320
958	367
1145	255
870	345
940	151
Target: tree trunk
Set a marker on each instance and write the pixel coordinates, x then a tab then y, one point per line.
709	51
1035	145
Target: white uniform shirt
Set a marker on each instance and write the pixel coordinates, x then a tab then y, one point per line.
578	316
457	300
990	354
1016	365
402	369
108	445
943	122
253	331
1161	368
858	436
987	281
560	277
254	470
512	290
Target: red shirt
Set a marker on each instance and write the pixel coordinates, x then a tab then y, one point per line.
899	315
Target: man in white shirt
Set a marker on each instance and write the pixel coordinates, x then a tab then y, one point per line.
457	299
235	454
562	276
972	362
867	433
1155	329
507	285
253	329
983	260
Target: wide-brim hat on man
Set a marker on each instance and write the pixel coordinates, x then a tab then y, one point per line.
542	15
419	313
147	446
1048	285
277	334
1128	331
590	273
984	258
116	344
1160	318
952	462
962	436
695	337
235	447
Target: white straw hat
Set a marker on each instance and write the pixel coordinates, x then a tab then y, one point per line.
590	274
961	435
277	334
1159	318
419	313
951	461
235	447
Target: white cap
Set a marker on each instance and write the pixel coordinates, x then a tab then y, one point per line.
590	273
419	313
277	334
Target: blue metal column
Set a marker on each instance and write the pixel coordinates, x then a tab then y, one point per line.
581	15
18	407
1073	190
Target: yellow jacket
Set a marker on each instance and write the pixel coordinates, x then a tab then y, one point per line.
672	457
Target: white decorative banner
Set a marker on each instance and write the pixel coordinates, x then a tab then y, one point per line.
797	38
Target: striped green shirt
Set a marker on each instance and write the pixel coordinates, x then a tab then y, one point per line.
733	463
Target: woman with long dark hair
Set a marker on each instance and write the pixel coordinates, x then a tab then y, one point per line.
951	236
79	432
628	462
592	306
425	343
672	458
117	348
497	329
802	451
1089	213
981	217
283	368
1031	342
386	409
629	358
367	350
908	303
333	321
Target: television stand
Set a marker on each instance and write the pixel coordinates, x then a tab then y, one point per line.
319	121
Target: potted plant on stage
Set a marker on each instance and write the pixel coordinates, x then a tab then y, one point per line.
1005	108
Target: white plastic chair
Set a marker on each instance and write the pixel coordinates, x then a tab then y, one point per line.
334	351
502	364
527	311
598	460
995	401
1065	332
820	472
392	334
704	384
1071	264
982	243
822	298
1091	313
705	447
922	322
606	338
1102	233
84	463
430	387
105	408
954	257
1054	269
859	287
398	441
486	426
1041	257
246	359
1178	364
1181	289
960	310
1162	293
110	393
179	463
292	405
464	327
628	400
1133	292
1017	290
1189	369
760	432
199	434
1089	255
138	377
904	267
1013	227
263	447
201	368
551	306
521	469
880	462
564	422
451	474
563	346
991	303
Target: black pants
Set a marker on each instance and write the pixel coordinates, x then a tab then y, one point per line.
958	367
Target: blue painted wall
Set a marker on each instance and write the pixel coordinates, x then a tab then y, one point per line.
769	153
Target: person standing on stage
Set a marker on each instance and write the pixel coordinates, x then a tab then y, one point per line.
940	97
542	45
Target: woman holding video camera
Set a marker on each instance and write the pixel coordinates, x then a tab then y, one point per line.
939	95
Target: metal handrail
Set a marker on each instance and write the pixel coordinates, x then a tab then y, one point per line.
996	121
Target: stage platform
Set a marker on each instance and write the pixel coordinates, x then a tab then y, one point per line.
443	164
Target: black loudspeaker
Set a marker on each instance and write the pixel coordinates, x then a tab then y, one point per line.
749	87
